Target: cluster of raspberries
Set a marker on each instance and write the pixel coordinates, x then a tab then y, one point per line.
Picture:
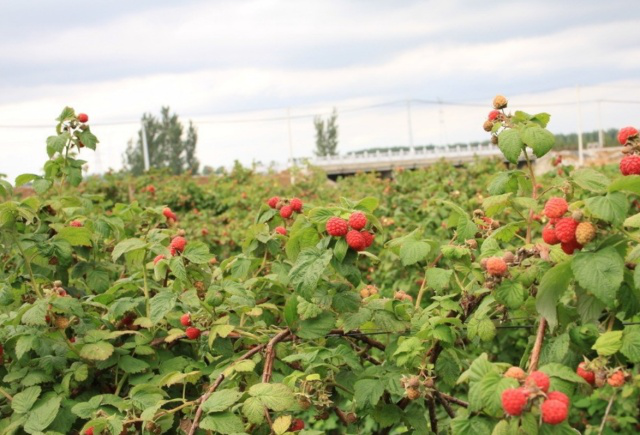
596	376
568	231
286	206
191	332
176	246
534	387
357	237
630	163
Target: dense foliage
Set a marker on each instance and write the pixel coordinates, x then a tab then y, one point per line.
228	304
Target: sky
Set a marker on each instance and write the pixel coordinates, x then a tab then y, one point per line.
239	68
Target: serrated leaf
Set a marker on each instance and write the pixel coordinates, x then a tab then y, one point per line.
368	391
599	272
24	400
277	397
97	351
308	269
197	253
221	400
130	364
608	343
611	208
223	422
43	413
413	251
317	327
281	424
510	144
253	409
161	304
127	245
539	139
590	180
552	286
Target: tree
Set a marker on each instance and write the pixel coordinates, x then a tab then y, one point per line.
168	146
326	135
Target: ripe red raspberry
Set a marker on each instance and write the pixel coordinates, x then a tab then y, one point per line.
625	133
357	220
296	425
616	379
281	230
151	189
355	240
566	229
570	248
286	211
185	319
549	235
630	165
368	238
158	258
169	214
585	374
554	411
538	379
515	373
178	243
514	400
296	205
496	266
273	201
555	207
493	115
192	333
76	224
83	117
557	395
337	227
89	431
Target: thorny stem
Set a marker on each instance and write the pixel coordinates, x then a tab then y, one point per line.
606	414
537	345
28	265
270	354
145	289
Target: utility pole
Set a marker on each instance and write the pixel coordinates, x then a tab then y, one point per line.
600	131
580	150
145	147
293	178
409	127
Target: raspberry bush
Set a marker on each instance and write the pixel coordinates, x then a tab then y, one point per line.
480	300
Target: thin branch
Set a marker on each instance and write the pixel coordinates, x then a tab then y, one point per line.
359	336
341	415
452	399
445	404
432	415
270	354
606	414
537	345
5	394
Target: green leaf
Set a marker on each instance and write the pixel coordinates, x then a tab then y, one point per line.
539	139
438	279
627	183
599	272
413	251
277	397
340	249
88	139
43	413
24	400
307	310
161	304
97	351
510	144
560	371
24	344
632	221
368	391
631	344
76	236
130	364
223	422
308	269
317	327
369	204
301	240
591	180
253	409
41	185
608	343
36	315
221	400
281	424
612	207
127	245
552	286
25	178
511	293
197	252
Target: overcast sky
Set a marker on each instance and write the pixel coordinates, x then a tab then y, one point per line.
223	61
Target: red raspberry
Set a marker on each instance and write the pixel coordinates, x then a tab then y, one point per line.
273	201
616	379
286	211
281	230
83	117
296	205
368	238
357	220
630	165
337	227
89	431
566	229
538	379
496	266
549	235
204	232
173	251
570	248
514	400
178	243
554	411
585	374
76	224
169	214
192	333
185	319
151	189
555	207
355	240
158	258
296	425
493	115
557	395
625	133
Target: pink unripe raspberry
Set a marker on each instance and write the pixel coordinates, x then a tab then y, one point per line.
496	266
158	258
281	230
76	224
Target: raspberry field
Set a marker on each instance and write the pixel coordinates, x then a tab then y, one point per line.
484	299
